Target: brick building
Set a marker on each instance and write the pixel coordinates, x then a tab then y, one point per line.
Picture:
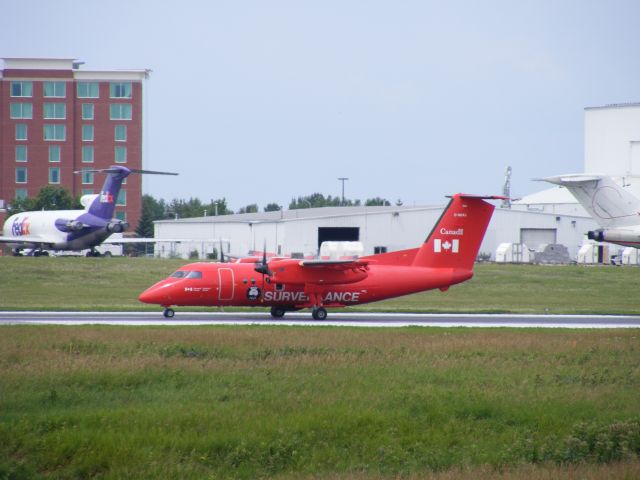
56	118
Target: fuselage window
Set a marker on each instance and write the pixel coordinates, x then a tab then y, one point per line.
180	274
194	274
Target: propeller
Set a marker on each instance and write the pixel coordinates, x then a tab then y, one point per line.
222	259
263	266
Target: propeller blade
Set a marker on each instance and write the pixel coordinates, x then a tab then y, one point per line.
221	253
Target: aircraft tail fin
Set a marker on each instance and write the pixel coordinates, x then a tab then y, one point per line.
104	204
455	240
607	202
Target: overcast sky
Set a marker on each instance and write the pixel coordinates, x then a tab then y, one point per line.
262	101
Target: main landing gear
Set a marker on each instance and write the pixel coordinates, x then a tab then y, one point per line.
319	313
168	312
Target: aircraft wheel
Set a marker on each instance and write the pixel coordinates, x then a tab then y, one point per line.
319	314
168	312
277	312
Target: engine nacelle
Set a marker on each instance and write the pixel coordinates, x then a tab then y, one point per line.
117	227
597	235
615	235
74	226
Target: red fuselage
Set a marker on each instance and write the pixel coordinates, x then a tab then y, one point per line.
238	284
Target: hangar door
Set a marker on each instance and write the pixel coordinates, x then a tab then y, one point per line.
338	234
534	237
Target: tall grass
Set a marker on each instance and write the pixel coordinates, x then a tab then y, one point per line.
252	402
114	284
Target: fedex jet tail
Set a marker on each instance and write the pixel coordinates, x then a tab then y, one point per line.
607	202
104	204
455	240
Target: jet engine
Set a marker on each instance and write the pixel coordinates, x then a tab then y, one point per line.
117	227
74	226
614	235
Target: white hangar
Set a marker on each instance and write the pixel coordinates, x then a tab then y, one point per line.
380	229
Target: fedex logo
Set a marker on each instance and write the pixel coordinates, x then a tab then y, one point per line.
106	197
439	245
20	227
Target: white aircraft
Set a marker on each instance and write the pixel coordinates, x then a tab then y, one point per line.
73	229
616	210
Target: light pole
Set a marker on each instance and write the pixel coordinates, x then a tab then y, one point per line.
342	179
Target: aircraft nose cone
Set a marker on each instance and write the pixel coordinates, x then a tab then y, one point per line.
151	295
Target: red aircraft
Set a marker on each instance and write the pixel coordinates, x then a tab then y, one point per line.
287	284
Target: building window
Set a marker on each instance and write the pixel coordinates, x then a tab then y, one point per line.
120	90
121	133
87	177
54	174
55	89
54	153
88	90
21	193
121	154
21	131
21	110
122	198
87	133
87	154
21	89
121	216
21	153
21	175
87	111
120	111
55	111
55	132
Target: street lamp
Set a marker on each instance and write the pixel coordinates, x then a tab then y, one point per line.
342	179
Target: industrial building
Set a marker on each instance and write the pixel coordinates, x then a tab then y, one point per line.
56	118
549	217
379	229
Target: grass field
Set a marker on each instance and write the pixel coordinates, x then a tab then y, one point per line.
114	284
257	402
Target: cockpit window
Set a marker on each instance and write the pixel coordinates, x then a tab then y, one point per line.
187	274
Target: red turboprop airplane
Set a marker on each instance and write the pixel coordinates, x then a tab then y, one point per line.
287	284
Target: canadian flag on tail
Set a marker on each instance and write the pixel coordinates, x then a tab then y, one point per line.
452	246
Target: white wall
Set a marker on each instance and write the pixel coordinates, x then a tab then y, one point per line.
612	140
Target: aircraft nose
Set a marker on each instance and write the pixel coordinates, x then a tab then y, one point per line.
153	295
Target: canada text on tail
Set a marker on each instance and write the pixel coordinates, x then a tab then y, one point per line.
455	240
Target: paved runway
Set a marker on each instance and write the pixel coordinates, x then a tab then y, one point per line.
335	319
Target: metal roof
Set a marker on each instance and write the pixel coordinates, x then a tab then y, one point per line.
300	214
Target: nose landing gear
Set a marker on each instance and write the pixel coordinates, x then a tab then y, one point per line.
168	312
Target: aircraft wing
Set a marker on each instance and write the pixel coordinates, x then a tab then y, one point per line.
336	265
28	240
